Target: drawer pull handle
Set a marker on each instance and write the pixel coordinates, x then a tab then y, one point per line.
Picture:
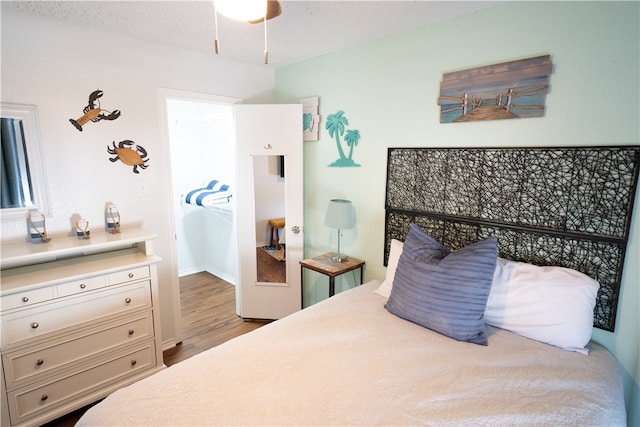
133	362
82	286
40	362
43	397
130	275
35	325
130	331
25	299
127	300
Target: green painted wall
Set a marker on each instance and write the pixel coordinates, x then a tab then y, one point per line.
388	91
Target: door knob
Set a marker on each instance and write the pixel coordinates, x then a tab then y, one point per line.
295	229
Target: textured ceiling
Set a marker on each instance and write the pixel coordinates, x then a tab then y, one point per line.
305	29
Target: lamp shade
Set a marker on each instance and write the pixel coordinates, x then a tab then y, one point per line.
340	214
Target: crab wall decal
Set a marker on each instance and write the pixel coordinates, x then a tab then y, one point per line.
93	112
129	156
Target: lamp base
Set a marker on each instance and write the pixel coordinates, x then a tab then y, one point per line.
338	257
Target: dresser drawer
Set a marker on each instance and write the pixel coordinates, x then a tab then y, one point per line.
129	275
30	401
26	298
79	286
29	364
80	311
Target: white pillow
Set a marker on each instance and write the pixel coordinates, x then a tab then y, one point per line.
549	304
394	255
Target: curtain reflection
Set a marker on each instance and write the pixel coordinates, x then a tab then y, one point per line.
16	183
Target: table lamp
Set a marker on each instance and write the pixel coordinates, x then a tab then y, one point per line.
340	215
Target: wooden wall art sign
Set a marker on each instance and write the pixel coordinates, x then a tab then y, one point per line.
509	90
310	118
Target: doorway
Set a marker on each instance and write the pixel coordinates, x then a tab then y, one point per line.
276	129
202	151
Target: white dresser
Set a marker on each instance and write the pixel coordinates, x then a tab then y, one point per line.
80	319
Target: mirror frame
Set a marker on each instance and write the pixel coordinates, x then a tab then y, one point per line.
31	128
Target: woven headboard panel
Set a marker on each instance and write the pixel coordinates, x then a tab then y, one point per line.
567	207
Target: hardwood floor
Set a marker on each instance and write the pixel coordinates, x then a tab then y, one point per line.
270	269
208	319
208	316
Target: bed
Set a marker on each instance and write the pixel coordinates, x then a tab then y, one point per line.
481	346
348	361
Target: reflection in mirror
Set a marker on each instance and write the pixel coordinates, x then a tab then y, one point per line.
16	185
24	185
268	184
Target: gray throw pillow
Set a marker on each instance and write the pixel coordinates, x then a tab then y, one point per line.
445	291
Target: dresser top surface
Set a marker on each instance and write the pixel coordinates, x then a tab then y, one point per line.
15	254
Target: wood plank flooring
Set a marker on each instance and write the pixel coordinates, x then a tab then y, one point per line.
208	319
208	316
270	269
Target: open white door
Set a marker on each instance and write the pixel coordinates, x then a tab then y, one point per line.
263	133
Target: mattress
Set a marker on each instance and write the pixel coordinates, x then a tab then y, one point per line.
348	361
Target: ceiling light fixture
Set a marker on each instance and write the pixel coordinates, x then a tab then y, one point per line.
242	10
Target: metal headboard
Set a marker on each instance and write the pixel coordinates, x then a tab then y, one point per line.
568	206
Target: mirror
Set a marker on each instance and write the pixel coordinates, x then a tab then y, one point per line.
269	202
24	184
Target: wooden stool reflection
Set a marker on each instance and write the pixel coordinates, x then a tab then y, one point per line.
276	224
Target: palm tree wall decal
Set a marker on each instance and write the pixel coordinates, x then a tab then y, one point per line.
351	138
336	126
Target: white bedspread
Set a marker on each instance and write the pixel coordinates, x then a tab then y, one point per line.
347	361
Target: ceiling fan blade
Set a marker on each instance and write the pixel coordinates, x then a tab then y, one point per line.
273	9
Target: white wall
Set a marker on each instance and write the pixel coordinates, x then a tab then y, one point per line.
56	67
388	90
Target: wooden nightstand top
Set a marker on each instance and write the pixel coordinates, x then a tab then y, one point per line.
323	264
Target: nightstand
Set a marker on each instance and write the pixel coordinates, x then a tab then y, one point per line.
323	265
